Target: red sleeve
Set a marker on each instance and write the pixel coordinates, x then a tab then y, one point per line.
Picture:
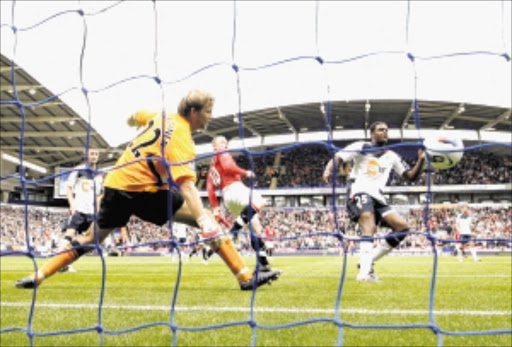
211	191
229	165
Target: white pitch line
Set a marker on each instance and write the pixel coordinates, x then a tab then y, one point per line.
362	311
448	275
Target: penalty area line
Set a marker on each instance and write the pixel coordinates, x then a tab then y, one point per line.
361	311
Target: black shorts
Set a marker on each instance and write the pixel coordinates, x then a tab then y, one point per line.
117	206
79	222
465	238
362	202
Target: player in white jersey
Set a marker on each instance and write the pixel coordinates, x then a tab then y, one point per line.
463	225
366	204
84	189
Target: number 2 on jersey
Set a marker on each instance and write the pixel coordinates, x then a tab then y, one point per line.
156	135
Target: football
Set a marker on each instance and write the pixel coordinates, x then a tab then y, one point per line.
444	152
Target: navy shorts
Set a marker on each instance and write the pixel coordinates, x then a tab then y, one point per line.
79	222
465	238
117	206
362	202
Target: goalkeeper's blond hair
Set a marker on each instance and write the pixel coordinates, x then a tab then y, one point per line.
196	99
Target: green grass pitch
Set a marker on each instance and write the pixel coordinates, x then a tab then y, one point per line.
469	297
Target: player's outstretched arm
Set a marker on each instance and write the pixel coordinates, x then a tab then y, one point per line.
140	118
415	172
326	177
211	189
71	199
230	166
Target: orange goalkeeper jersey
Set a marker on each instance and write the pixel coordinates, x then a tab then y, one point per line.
147	173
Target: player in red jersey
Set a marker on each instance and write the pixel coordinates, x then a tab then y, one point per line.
226	175
271	233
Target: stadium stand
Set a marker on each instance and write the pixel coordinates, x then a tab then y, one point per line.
303	167
292	227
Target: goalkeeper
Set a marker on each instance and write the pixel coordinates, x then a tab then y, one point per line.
138	186
366	204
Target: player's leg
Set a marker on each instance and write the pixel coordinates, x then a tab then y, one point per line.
183	251
258	244
224	247
460	252
236	199
78	247
392	240
69	235
65	243
472	249
361	210
69	231
467	244
227	251
114	212
270	248
463	246
209	252
195	250
205	255
367	224
80	224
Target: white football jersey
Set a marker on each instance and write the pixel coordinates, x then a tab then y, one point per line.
464	224
370	170
82	183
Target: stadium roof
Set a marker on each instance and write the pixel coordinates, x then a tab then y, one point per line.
55	135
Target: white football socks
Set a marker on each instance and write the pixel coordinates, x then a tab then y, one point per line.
382	249
365	257
473	253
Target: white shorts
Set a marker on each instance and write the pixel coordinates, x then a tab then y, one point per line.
236	197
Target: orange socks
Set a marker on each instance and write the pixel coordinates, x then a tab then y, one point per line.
56	263
233	260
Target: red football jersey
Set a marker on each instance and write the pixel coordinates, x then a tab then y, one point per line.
270	233
223	172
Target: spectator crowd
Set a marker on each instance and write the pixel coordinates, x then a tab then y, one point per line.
44	226
294	228
300	166
303	167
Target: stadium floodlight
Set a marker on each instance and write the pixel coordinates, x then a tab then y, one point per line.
30	165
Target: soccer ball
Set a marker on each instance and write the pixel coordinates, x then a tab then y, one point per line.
444	152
